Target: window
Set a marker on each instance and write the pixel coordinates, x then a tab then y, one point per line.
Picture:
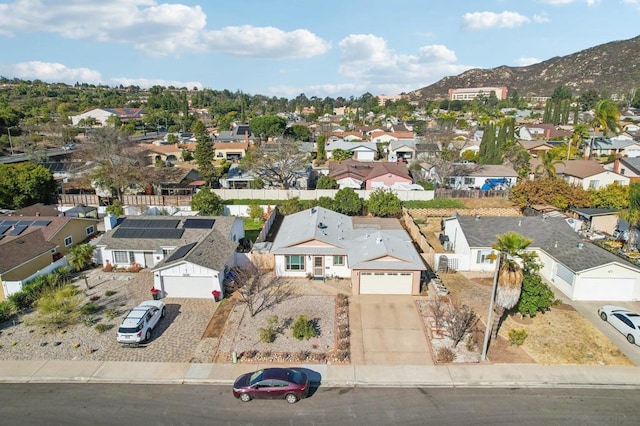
484	256
68	241
469	181
594	183
90	230
294	263
123	257
338	260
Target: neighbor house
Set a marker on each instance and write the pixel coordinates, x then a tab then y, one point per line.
101	115
189	256
376	254
485	176
357	175
361	151
578	268
585	173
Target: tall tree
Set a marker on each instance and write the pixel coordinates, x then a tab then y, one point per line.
268	126
281	163
607	117
632	216
547	166
204	155
24	184
207	203
511	248
348	202
384	203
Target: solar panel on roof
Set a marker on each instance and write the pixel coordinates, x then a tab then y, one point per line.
3	229
9	222
149	223
180	252
170	234
41	223
24	223
19	229
198	223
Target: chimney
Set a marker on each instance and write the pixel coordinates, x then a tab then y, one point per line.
38	214
110	222
616	164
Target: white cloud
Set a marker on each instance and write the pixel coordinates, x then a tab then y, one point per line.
253	41
52	72
486	20
156	29
365	58
563	2
541	18
523	61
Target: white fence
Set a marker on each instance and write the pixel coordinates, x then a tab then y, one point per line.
311	194
11	287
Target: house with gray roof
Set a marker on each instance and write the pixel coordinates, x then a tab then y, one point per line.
189	256
376	254
578	268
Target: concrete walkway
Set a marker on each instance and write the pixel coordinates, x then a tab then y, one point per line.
524	375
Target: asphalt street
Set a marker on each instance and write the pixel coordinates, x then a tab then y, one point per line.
107	404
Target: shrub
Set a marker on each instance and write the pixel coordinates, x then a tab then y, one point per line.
6	311
343	333
59	307
89	320
111	313
302	355
89	309
517	337
304	328
20	301
110	293
471	343
102	327
342	300
343	345
268	334
250	354
445	354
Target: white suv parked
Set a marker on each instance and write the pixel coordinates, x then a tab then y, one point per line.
140	321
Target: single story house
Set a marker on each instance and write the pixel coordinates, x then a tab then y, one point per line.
626	166
231	151
586	173
101	115
357	175
376	254
402	150
189	256
361	151
485	176
578	268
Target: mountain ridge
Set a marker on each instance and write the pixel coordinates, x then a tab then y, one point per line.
612	67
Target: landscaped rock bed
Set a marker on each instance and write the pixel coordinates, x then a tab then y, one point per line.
329	314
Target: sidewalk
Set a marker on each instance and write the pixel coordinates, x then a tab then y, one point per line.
523	375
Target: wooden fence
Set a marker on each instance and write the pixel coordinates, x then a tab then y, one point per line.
470	193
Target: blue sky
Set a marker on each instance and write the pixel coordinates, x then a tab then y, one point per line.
287	47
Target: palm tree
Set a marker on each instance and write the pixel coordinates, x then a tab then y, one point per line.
606	118
580	133
632	215
80	256
510	246
547	166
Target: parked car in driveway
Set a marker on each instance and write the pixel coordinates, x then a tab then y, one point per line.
140	322
625	321
272	383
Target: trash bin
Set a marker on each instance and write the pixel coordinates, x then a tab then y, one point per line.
216	295
155	293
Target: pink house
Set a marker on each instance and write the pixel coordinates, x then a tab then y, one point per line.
369	175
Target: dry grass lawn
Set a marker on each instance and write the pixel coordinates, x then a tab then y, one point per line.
559	337
489	202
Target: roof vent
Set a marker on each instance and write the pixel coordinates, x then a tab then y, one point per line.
322	225
477	217
378	240
580	246
519	223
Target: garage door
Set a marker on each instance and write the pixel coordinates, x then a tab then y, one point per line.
385	283
606	289
200	287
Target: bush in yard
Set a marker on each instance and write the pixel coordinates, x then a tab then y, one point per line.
89	309
517	337
445	354
59	307
102	327
536	295
6	311
268	334
304	328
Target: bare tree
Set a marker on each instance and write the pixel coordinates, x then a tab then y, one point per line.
261	290
460	321
438	310
281	162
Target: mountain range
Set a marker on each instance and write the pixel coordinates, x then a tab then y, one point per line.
612	68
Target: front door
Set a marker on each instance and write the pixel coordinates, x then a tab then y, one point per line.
318	267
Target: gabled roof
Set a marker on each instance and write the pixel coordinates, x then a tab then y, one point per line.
577	168
550	234
632	163
484	170
22	249
364	171
37	209
212	252
369	243
48	225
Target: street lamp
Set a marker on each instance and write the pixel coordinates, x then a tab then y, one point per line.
487	328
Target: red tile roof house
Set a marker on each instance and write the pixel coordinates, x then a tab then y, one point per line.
349	173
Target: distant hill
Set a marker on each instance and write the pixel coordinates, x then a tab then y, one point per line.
613	68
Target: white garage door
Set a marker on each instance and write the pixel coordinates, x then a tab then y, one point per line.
200	287
606	289
385	283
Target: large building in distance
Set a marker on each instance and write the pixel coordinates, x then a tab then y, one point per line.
470	93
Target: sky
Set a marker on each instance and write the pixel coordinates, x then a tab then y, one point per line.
285	48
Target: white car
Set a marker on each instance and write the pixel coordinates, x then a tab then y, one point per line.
624	320
140	321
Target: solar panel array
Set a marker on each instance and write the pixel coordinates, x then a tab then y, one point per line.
180	252
149	223
160	233
198	223
12	222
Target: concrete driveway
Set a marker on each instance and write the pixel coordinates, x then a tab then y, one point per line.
590	311
387	330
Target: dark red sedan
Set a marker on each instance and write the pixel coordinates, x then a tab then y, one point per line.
272	383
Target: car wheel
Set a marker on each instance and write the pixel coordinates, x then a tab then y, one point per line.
245	397
603	315
163	312
147	335
291	398
631	339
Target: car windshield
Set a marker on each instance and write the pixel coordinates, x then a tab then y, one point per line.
256	377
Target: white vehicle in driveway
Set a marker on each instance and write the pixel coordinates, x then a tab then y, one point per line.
623	320
140	322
